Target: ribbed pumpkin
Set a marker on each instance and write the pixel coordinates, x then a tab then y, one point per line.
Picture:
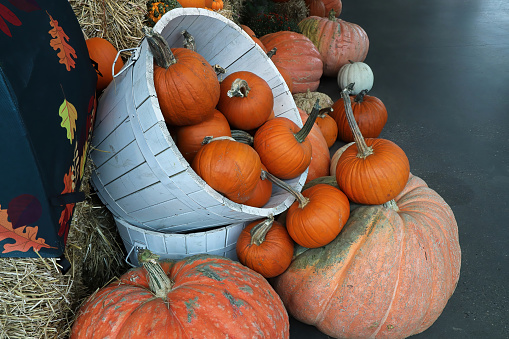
246	100
186	84
265	247
299	56
283	71
262	193
102	54
215	5
337	41
372	171
202	296
328	126
323	7
358	73
318	214
189	138
369	113
389	273
230	167
320	154
284	148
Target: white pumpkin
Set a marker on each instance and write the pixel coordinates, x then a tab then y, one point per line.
358	73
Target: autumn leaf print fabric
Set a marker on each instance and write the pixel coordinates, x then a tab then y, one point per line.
48	100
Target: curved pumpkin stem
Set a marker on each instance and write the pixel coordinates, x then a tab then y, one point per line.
159	47
159	283
363	150
189	42
360	97
392	205
209	139
239	88
304	131
259	231
242	136
324	111
303	201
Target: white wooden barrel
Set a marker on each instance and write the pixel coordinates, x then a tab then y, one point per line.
217	241
140	175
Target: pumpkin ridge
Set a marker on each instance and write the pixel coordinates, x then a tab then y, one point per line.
373	221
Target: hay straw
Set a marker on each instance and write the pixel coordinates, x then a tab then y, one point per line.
36	300
293	9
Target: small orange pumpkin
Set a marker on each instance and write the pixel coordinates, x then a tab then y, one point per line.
262	193
102	54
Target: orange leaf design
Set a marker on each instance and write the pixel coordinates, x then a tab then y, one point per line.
25	237
66	214
59	42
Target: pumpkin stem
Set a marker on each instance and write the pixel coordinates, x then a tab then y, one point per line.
360	97
391	204
303	201
158	281
332	15
363	149
159	47
240	89
304	131
218	69
260	230
189	42
324	111
242	136
210	138
272	52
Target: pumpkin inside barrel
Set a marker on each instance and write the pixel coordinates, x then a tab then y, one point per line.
388	274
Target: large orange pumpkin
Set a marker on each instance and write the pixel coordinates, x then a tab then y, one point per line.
323	7
299	56
230	167
102	54
389	273
369	113
186	84
202	296
338	41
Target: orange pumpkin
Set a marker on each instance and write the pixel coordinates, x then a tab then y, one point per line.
230	167
189	138
328	126
262	193
299	56
186	84
103	53
193	3
371	171
265	247
216	5
320	154
337	41
283	148
323	7
388	274
246	100
369	113
202	296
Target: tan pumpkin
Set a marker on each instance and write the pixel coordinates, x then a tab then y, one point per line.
388	274
338	41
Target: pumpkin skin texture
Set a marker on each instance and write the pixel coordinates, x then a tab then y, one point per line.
320	154
103	53
230	167
248	107
338	41
320	221
188	90
389	274
369	113
358	73
189	138
271	256
209	295
299	56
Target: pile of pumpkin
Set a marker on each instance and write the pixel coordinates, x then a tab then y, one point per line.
366	250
